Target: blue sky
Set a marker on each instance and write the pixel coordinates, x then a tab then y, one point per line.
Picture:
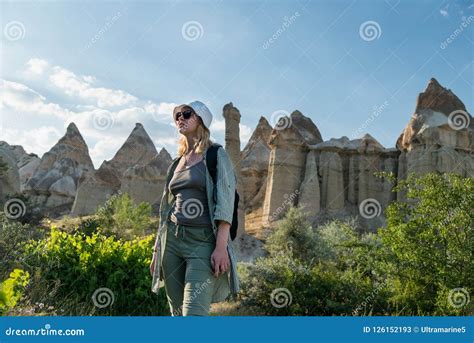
351	66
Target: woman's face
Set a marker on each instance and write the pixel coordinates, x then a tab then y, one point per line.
186	126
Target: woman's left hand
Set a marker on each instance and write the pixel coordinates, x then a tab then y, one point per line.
220	260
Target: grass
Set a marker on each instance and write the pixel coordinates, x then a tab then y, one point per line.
231	308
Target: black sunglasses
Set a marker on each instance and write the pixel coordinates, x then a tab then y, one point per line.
186	114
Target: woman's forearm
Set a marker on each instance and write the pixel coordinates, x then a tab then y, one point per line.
223	230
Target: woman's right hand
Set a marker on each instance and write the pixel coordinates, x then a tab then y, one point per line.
152	264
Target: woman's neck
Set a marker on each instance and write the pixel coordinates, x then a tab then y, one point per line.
191	140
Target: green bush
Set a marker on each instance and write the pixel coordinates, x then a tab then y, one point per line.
431	242
322	271
282	285
11	290
421	263
78	274
340	243
13	234
120	216
293	235
21	205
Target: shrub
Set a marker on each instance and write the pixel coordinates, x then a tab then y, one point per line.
421	263
90	225
12	236
22	209
339	242
282	285
431	242
120	216
78	274
293	235
322	271
11	290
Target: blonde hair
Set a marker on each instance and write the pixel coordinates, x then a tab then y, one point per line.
202	141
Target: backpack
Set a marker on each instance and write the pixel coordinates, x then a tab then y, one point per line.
211	161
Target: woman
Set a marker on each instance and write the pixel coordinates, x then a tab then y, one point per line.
193	258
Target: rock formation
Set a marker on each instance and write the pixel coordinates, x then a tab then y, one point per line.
345	169
146	182
97	187
25	163
9	176
254	165
232	116
287	165
310	193
439	136
336	177
289	145
53	185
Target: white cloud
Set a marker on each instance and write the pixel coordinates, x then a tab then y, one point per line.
36	66
162	112
105	117
245	134
169	143
444	13
102	149
20	98
37	140
102	129
217	125
82	88
132	114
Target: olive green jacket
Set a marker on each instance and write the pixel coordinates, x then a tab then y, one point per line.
222	209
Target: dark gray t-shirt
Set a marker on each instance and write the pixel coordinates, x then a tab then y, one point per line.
189	187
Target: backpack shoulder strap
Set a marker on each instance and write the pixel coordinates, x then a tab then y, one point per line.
211	160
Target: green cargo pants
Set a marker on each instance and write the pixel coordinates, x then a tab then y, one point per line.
187	271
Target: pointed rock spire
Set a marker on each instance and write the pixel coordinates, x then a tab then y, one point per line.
438	99
137	149
53	183
435	108
261	133
306	127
